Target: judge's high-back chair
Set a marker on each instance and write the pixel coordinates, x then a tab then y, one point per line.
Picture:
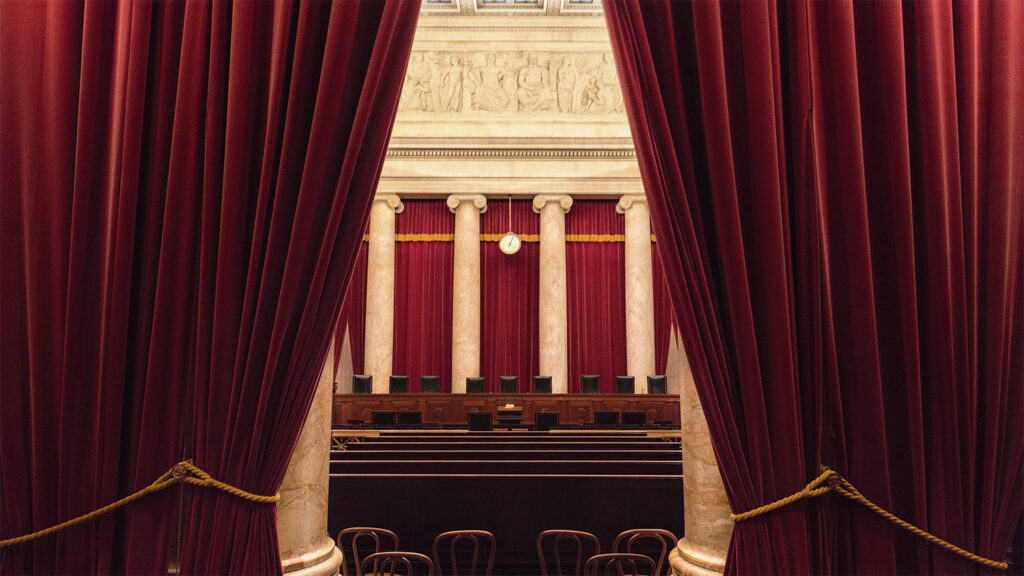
618	564
542	384
508	384
583	544
653	542
430	384
398	563
359	540
474	541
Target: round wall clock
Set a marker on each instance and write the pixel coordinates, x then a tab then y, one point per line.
509	243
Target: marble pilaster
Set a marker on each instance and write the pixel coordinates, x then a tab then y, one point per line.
466	287
553	303
306	547
380	290
639	289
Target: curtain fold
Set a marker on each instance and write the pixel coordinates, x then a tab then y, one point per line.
423	292
184	191
353	316
836	189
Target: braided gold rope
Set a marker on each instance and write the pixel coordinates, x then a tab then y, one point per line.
832	481
183	472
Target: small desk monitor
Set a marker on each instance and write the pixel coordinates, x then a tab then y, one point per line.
383	418
430	384
509	384
542	384
398	385
479	421
624	385
412	418
590	383
634	419
475	385
362	384
606	419
657	384
544	421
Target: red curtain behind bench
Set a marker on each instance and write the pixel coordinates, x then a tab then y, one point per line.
509	294
183	191
353	316
836	189
423	292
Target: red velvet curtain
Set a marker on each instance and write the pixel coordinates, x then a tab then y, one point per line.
509	292
423	292
595	278
837	194
353	316
183	190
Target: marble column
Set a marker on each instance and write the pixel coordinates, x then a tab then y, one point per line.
380	291
706	508
639	289
553	304
466	287
306	547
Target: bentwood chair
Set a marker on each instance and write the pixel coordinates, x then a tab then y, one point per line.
579	542
617	564
381	539
472	537
397	563
647	539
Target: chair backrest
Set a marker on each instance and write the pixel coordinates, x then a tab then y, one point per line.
544	421
634	419
624	385
379	537
476	385
657	539
430	384
542	384
590	383
556	537
657	384
617	564
473	537
397	562
362	383
607	419
410	418
509	384
479	421
398	385
382	418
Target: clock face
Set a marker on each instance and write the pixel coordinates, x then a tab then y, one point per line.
509	243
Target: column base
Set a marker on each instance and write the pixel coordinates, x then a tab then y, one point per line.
324	561
687	561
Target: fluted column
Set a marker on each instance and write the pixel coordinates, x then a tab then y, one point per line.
706	512
553	304
466	287
380	291
306	547
639	289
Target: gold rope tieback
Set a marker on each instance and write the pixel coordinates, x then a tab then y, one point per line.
183	472
832	481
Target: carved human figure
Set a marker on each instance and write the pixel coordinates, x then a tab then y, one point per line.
416	95
450	90
566	84
611	95
489	95
511	63
534	86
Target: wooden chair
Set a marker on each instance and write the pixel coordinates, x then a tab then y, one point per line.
620	563
663	539
558	536
388	563
374	534
473	536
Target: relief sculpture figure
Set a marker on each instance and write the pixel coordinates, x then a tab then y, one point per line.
566	83
489	95
534	87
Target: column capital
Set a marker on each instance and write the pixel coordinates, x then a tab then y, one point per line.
391	201
541	200
626	202
478	200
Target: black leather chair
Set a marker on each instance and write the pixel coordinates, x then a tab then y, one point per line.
383	418
509	384
362	383
624	385
544	421
398	385
606	419
479	421
634	419
430	384
542	384
476	385
410	419
590	383
657	384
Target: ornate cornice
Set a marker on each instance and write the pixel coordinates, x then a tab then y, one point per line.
513	153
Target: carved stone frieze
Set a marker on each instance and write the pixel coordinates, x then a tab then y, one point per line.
459	82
